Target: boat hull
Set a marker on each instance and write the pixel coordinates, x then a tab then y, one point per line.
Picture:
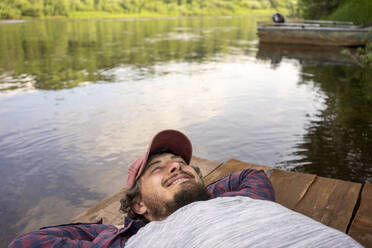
314	35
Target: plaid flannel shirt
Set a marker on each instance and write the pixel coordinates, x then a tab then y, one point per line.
250	183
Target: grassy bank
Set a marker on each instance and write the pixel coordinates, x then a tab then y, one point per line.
101	14
18	9
357	11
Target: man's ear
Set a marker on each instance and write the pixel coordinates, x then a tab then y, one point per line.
139	207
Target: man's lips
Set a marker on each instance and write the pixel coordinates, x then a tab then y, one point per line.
179	178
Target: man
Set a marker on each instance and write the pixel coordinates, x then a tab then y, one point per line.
168	206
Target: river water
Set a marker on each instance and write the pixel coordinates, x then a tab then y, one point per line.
81	99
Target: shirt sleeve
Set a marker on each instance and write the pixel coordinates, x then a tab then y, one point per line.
71	235
249	182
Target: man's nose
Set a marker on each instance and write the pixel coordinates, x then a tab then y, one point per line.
174	166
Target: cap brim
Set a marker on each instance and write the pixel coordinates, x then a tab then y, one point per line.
173	140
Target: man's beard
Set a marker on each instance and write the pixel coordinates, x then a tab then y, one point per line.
191	193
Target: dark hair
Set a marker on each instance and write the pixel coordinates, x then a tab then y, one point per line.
126	202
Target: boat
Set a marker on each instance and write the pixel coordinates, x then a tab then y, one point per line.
339	204
313	32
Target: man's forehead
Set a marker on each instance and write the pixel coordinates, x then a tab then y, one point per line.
157	157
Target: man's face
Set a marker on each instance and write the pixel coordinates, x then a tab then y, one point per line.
167	184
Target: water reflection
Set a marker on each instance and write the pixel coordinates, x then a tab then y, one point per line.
59	54
304	54
341	133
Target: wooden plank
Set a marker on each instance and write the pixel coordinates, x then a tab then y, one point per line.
328	22
206	166
361	228
108	209
330	201
295	25
231	166
290	187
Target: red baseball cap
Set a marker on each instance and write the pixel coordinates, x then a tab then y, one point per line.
173	140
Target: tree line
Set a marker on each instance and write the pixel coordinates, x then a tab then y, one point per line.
357	11
37	8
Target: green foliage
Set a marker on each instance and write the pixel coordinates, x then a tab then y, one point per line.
8	11
318	9
55	8
37	8
362	56
357	11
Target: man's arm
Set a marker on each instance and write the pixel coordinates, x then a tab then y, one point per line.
73	235
249	182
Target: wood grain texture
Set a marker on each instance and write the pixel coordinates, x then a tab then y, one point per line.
231	166
290	187
206	166
107	209
361	227
330	201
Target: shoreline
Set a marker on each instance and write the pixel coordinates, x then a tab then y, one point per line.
151	15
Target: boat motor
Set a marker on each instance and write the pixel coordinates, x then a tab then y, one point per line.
278	18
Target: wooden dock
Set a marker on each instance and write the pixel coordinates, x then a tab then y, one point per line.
343	205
